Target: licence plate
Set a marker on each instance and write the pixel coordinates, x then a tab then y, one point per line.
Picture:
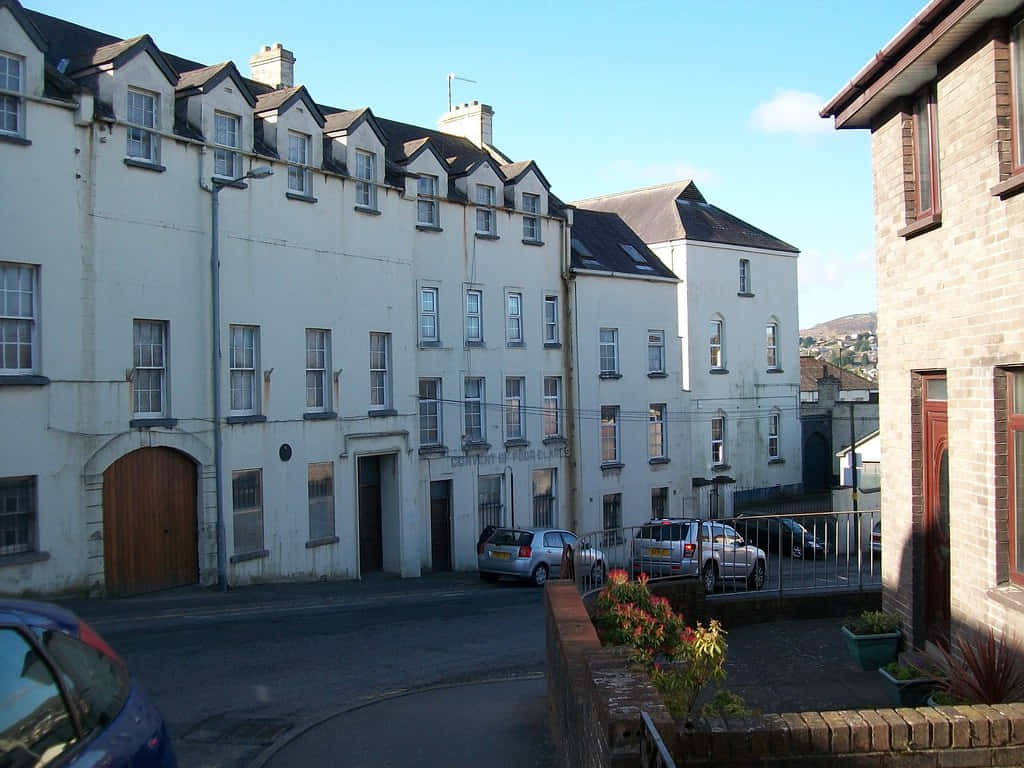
657	552
501	555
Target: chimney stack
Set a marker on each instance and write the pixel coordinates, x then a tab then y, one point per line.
273	66
472	120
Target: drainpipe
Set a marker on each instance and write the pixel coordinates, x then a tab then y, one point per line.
218	448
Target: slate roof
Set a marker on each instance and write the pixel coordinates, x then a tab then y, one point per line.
598	240
812	369
678	211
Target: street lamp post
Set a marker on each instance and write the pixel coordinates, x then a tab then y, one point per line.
259	172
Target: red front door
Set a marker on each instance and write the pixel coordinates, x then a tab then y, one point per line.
936	511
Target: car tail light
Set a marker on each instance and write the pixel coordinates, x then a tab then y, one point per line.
689	549
480	548
525	551
90	637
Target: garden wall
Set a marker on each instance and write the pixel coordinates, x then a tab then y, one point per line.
595	700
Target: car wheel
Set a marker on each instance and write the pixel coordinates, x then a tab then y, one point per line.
757	576
597	573
540	575
487	576
709	575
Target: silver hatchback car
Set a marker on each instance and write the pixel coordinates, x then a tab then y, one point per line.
710	549
532	554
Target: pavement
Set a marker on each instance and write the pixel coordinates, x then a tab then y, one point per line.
782	666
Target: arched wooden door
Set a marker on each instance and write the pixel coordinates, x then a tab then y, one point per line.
150	523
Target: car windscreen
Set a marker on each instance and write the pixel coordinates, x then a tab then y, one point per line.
504	537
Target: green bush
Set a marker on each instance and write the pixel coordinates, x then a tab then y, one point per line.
873	623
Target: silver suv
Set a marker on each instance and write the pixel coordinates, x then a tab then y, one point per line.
685	547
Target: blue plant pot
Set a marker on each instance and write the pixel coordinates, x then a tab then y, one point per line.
907	693
872	651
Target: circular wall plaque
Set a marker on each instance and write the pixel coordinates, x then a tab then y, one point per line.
285	451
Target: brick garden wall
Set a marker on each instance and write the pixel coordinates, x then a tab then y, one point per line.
595	700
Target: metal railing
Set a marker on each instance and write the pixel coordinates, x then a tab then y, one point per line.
653	752
786	553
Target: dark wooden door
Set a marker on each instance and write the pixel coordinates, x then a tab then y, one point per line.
150	522
371	552
817	468
936	514
440	526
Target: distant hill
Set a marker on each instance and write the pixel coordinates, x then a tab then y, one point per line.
843	326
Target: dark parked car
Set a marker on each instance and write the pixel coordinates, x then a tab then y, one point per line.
784	535
66	699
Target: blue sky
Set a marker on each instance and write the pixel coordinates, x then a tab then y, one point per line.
605	96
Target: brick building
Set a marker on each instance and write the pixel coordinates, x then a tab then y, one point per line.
943	102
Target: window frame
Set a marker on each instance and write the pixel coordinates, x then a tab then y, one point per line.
718	443
552	407
771	345
223	151
425	403
431	315
659	345
250	371
22	489
144	131
531	217
659	491
514	421
610	447
380	371
614	345
744	277
328	533
163	368
255	509
486	197
324	371
1015	475
716	349
14	96
299	145
485	504
551	325
611	502
478	315
548	500
656	418
514	335
474	404
17	321
427	200
774	437
366	179
924	105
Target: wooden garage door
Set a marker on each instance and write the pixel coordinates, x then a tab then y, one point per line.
149	522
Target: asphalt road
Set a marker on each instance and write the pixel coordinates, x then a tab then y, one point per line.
233	672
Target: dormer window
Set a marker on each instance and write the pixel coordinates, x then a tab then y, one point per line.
426	204
226	160
366	172
298	153
531	222
485	216
142	141
11	121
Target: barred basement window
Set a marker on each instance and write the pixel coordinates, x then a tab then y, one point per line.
247	506
17	515
320	488
544	497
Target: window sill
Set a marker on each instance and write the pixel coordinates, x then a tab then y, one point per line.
322	541
257	555
515	344
720	467
433	450
1010	187
776	461
657	375
554	440
476	445
300	197
517	442
146	423
430	344
536	243
470	344
146	165
486	236
774	370
9	138
658	460
429	228
23	380
24	558
375	413
319	415
223	181
919	227
367	211
718	371
744	295
609	375
1008	595
552	345
252	418
610	466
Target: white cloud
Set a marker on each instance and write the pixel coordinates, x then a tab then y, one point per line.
791	111
834	284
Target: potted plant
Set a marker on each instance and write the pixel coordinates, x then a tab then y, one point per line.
873	638
907	684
